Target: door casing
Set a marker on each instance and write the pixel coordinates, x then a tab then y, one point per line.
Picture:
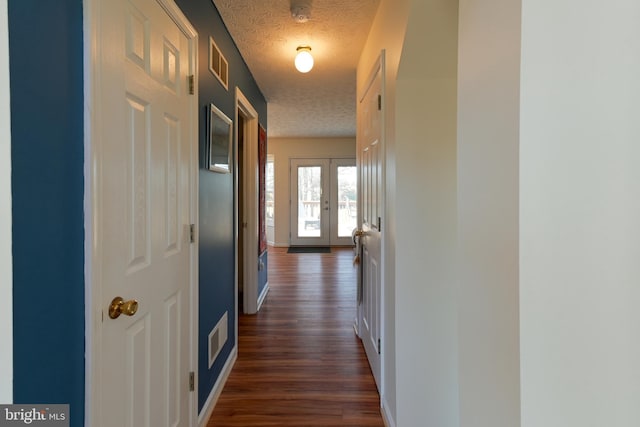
250	204
6	281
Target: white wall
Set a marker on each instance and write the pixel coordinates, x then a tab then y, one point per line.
6	278
387	32
426	321
488	195
284	149
580	213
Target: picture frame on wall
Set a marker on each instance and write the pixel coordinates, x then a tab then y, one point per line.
220	141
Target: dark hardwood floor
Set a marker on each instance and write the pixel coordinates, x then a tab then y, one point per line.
299	361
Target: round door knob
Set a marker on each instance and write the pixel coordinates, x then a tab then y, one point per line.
120	306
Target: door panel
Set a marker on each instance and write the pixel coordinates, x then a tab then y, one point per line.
370	187
145	191
344	196
310	203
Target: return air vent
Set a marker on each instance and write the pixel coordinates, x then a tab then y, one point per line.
217	338
218	64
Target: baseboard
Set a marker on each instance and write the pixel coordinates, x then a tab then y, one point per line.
263	295
210	404
386	417
280	245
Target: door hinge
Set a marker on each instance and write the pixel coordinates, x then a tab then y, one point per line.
379	346
379	102
192	233
192	84
379	224
192	381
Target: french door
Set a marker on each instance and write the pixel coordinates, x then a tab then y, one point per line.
323	202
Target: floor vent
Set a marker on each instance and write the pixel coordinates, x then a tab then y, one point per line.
217	338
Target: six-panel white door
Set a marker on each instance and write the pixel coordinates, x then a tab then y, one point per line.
145	190
370	208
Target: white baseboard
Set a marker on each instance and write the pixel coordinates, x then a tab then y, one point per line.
210	404
263	295
280	245
386	416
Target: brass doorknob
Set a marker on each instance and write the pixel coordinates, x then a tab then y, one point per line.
120	306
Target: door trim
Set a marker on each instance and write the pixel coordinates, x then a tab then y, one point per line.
250	193
6	281
93	151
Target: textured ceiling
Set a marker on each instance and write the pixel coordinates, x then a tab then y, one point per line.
321	103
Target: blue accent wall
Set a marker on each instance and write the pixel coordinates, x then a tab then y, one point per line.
45	51
216	235
46	66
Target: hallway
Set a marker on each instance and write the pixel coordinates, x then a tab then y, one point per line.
299	361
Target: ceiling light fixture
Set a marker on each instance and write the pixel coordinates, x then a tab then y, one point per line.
304	60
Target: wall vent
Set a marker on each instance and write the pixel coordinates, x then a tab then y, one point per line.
218	64
217	338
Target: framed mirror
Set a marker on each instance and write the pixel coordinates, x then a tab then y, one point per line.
220	140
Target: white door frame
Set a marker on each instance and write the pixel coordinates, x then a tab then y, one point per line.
6	263
250	204
93	149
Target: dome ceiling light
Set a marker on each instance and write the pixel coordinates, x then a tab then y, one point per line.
304	60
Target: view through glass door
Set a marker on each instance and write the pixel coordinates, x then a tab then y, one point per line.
323	205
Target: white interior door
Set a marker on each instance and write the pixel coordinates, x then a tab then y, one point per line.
371	187
146	194
310	202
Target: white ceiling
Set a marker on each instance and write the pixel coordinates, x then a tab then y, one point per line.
321	103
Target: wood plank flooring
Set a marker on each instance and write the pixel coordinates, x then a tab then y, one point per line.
299	361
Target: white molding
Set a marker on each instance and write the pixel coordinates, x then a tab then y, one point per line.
385	230
250	193
211	401
386	416
263	295
6	258
92	261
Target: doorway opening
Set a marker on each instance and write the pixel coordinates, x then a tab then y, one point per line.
246	204
241	212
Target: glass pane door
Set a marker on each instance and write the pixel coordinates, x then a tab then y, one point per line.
344	210
324	202
309	200
310	206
